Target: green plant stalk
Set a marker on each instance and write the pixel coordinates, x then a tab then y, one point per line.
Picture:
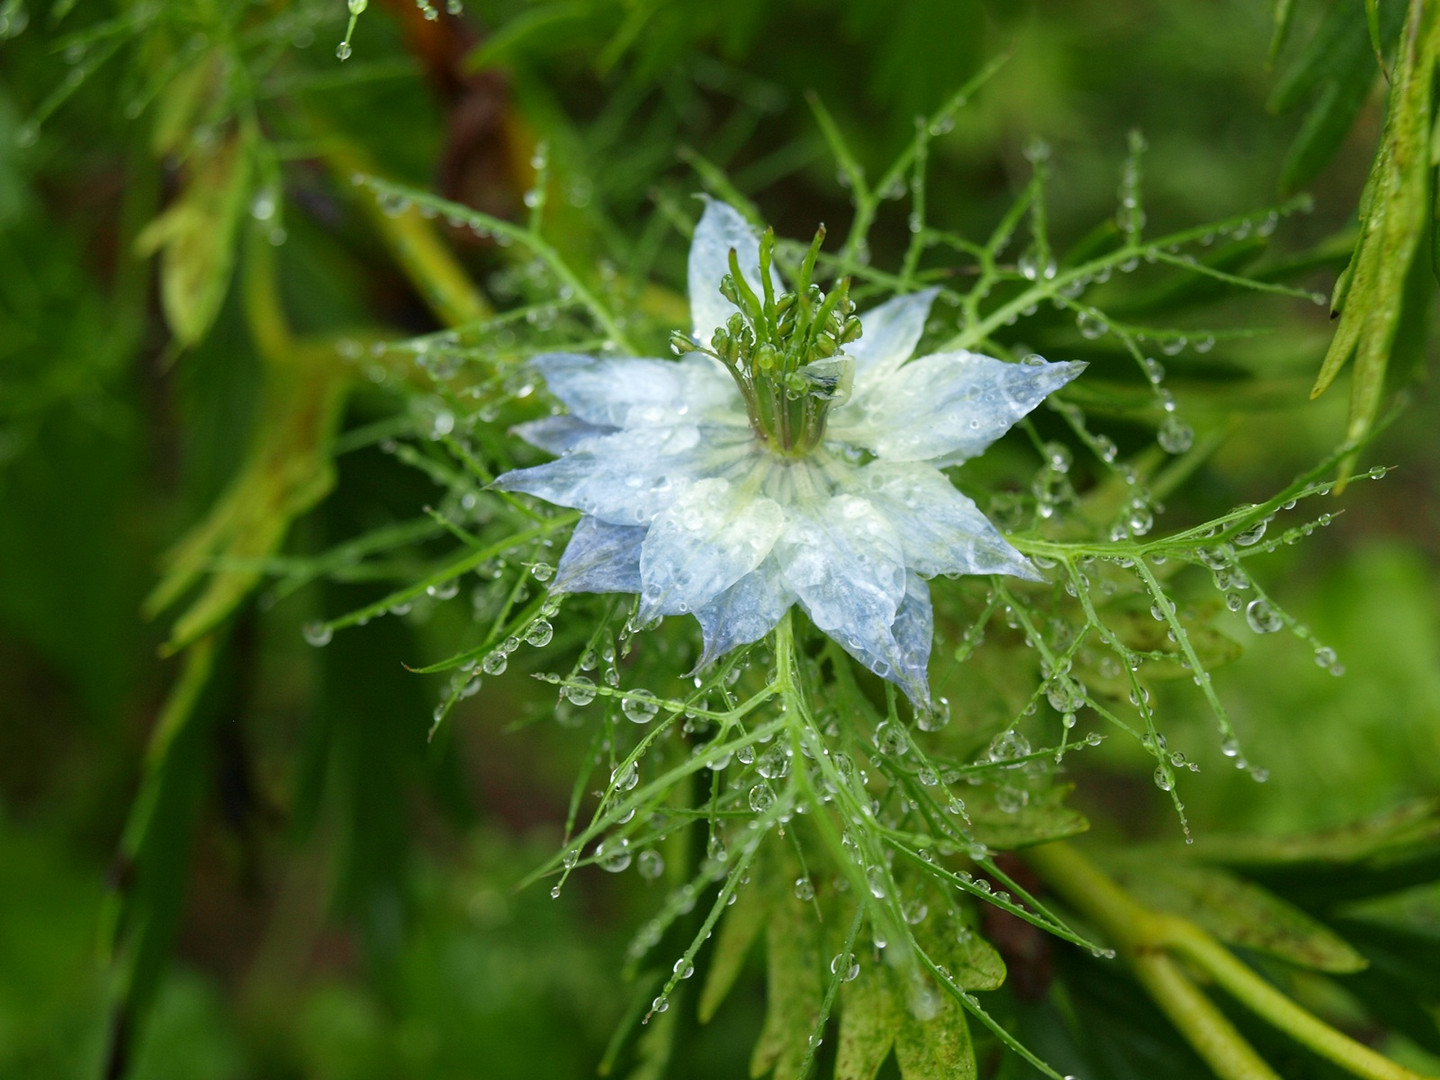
1143	937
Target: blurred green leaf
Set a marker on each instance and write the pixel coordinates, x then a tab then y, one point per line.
288	471
1235	911
196	237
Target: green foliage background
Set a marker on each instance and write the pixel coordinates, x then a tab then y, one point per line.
337	891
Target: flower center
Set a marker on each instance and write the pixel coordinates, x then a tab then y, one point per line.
784	351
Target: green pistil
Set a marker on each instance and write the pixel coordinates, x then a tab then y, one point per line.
784	352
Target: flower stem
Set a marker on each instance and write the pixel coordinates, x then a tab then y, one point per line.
1146	939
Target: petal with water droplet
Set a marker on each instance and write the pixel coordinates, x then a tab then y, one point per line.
744	612
633	391
720	229
891	332
629	477
844	561
947	407
941	530
559	434
902	652
710	537
600	558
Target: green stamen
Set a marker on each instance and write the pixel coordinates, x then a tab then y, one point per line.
784	352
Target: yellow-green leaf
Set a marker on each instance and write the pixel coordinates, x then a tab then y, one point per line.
196	237
869	1017
972	961
938	1048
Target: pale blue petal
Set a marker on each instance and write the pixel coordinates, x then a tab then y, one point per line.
844	562
631	391
629	477
744	612
941	530
902	652
713	534
720	229
891	332
600	558
557	434
948	406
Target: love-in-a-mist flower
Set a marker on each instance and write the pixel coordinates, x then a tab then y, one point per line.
791	455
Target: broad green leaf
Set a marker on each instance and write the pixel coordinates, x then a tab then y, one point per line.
938	1048
794	989
738	931
869	1017
1041	819
196	237
972	961
1235	911
1409	830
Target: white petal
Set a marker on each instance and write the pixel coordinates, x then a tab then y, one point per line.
558	434
629	477
721	228
947	406
891	332
902	653
629	391
941	530
709	538
600	558
845	564
744	612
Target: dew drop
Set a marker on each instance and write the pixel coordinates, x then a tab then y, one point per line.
580	691
613	855
639	706
317	634
1262	618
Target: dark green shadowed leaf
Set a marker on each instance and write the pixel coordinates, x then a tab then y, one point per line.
793	987
738	931
140	920
288	471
